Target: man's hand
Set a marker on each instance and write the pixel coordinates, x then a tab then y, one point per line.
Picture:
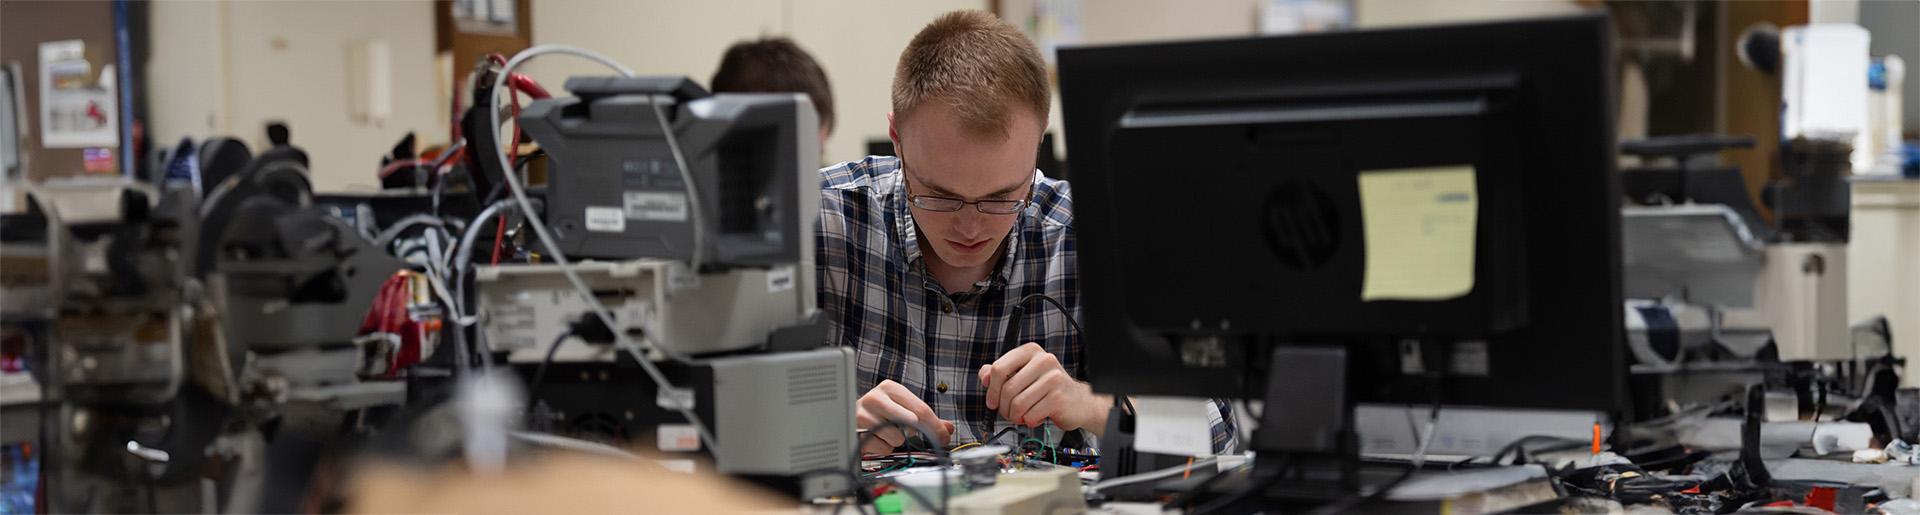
890	402
1028	386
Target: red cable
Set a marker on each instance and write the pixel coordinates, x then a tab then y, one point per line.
525	84
513	154
513	151
499	230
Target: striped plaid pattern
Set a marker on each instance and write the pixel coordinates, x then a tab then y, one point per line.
879	298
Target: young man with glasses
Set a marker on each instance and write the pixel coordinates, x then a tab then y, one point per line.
923	257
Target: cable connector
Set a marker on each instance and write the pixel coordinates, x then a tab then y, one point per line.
592	330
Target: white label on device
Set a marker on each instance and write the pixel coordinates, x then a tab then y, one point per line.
677	438
656	206
1173	425
780	279
606	219
674	398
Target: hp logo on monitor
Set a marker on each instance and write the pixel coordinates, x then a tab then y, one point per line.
1301	225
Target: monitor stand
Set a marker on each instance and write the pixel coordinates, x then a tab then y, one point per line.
1306	442
1308	451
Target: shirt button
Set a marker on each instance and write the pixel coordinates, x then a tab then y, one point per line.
947	307
942	387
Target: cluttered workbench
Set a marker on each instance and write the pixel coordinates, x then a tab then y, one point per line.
1448	243
1001	479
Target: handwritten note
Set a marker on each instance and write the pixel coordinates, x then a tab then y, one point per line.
1420	229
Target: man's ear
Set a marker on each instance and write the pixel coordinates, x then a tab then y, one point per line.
893	133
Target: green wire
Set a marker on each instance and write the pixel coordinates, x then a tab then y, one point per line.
896	468
1048	434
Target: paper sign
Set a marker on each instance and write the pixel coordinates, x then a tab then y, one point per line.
77	110
1179	426
677	438
1420	229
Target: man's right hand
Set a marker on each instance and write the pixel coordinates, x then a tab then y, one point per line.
890	402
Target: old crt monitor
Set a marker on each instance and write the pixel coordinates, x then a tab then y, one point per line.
1433	201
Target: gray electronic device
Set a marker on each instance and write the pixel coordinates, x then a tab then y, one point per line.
746	346
786	414
616	192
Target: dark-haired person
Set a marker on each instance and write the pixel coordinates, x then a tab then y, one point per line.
776	65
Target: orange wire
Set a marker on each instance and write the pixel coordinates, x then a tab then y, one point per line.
1596	438
1189	472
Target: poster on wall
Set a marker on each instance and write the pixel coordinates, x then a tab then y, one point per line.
494	17
78	109
1051	23
1282	17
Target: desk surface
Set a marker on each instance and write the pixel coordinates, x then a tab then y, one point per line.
1897	480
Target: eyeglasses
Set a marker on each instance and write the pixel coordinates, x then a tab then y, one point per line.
950	204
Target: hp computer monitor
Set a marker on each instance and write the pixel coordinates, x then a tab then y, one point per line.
1374	191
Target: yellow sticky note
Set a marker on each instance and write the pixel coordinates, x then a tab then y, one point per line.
1420	229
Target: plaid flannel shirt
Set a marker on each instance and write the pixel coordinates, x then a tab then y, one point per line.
879	299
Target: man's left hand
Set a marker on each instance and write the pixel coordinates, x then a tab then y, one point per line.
1028	387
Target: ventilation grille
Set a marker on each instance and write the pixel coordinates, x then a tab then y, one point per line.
824	454
819	383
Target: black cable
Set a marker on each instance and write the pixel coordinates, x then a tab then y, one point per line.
856	493
1433	418
1260	485
1014	320
1186	499
153	501
1019	315
1519	444
996	436
941	452
439	182
500	190
462	350
540	374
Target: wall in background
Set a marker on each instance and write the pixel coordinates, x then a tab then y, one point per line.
229	67
185	89
1833	11
1130	21
1371	14
856	41
1896	30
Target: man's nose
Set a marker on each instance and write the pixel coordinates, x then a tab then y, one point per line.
969	222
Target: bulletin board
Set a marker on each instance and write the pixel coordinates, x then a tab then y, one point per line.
24	26
471	29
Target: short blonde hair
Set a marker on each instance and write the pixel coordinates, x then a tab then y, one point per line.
976	63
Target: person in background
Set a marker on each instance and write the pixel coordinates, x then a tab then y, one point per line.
776	65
